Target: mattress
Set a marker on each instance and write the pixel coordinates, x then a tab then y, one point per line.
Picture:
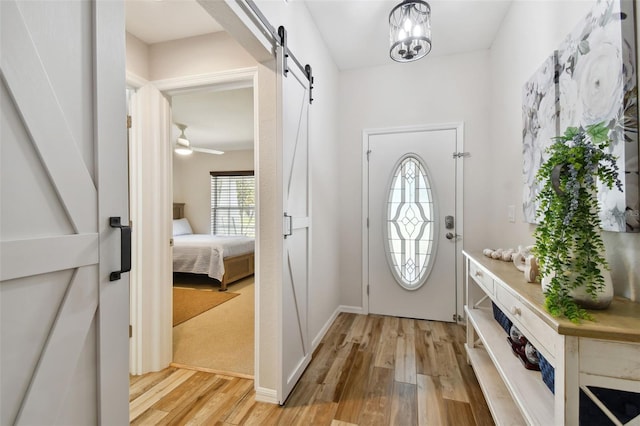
204	254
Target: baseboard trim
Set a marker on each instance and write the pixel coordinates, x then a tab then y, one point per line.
266	395
351	309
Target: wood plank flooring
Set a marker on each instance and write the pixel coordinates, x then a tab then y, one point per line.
368	370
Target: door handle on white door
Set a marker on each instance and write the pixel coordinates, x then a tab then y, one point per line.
451	236
288	225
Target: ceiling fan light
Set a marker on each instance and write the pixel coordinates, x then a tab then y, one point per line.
410	30
183	147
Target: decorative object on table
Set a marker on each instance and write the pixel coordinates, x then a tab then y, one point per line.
523	349
520	257
590	79
516	337
531	270
505	255
569	246
532	354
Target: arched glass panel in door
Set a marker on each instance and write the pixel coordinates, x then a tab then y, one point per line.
410	224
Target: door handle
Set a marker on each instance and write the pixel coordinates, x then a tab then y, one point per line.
125	248
451	235
288	225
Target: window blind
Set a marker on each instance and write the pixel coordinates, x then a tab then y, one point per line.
233	203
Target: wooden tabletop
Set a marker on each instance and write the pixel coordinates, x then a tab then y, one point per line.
620	321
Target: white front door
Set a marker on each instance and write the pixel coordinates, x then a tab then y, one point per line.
293	110
412	236
63	174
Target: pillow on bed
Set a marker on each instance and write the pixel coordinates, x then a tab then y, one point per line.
181	227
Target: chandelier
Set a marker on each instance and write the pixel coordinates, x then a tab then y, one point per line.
410	30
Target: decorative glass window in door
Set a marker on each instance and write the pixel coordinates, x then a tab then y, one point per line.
410	226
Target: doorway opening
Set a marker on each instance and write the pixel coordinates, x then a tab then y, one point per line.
213	330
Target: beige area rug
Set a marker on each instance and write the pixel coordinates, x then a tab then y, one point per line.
188	303
220	339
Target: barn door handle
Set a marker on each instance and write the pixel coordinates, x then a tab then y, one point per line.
288	225
125	247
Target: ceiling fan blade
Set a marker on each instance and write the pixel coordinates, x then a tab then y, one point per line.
208	151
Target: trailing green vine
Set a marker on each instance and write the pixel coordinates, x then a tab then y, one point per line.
568	245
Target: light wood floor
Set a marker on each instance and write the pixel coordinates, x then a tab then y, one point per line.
368	370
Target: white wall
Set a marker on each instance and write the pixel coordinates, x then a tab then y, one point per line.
197	55
430	91
529	34
137	56
192	182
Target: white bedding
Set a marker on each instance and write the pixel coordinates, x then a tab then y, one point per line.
203	253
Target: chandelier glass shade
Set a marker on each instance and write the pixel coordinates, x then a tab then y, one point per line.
410	30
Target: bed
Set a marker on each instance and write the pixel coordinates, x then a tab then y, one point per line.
224	258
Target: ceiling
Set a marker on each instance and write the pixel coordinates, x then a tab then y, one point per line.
215	119
355	32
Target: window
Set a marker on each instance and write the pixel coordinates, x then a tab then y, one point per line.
233	204
410	223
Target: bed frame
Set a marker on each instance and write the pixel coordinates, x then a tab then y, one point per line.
235	267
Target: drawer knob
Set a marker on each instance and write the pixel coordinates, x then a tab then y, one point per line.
478	274
515	310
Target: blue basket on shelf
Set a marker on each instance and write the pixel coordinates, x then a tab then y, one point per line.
547	371
502	319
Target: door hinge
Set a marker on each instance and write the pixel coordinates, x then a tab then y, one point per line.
367	222
457	318
130	331
128	121
368	154
461	154
367	289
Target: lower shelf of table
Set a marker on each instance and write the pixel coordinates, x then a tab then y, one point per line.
503	378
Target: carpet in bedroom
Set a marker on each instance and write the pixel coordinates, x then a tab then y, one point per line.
220	339
188	303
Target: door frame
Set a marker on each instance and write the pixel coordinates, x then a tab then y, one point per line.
458	127
241	77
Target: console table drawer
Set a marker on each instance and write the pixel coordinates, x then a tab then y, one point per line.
535	329
481	277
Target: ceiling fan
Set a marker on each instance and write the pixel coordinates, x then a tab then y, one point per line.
183	146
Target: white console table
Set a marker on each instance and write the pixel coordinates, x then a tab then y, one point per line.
604	353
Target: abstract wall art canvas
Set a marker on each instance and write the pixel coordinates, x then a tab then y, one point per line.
595	81
541	125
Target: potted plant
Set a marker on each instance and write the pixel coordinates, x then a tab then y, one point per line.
569	245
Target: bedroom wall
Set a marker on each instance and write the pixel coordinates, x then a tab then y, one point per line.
432	90
529	33
192	184
137	56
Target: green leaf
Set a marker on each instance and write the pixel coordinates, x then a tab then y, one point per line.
598	132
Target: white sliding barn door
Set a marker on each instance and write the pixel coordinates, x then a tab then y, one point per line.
293	110
63	324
